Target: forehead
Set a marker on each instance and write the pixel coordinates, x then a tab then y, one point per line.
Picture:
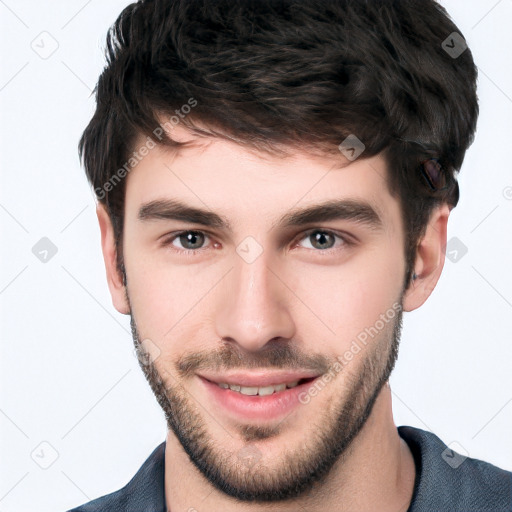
228	178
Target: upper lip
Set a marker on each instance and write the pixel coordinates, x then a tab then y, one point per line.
259	378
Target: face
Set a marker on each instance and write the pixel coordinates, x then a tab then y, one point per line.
266	330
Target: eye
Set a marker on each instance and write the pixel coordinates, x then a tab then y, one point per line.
191	241
324	240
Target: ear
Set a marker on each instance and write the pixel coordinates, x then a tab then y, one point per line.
430	256
108	246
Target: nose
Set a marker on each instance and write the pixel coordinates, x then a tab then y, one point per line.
252	305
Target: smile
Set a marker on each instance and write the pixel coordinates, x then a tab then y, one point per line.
259	398
263	390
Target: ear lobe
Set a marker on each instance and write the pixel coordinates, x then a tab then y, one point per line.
430	257
108	247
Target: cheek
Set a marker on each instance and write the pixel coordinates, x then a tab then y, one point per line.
166	298
349	298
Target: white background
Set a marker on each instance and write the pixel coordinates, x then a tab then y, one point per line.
68	374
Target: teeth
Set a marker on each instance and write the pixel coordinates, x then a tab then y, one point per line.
261	391
267	390
248	390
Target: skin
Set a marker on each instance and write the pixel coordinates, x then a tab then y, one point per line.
294	295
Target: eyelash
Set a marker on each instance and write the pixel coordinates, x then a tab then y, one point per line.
167	242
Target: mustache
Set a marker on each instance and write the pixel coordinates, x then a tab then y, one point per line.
229	357
283	355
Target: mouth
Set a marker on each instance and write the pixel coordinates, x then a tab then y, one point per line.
264	390
261	397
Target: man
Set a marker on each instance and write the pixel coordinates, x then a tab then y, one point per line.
274	181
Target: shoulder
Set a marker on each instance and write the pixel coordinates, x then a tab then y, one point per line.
144	492
448	480
114	502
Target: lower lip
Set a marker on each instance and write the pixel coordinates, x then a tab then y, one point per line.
257	407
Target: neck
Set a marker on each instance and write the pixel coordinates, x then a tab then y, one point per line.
376	472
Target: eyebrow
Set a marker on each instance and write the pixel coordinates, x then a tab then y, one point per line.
357	211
